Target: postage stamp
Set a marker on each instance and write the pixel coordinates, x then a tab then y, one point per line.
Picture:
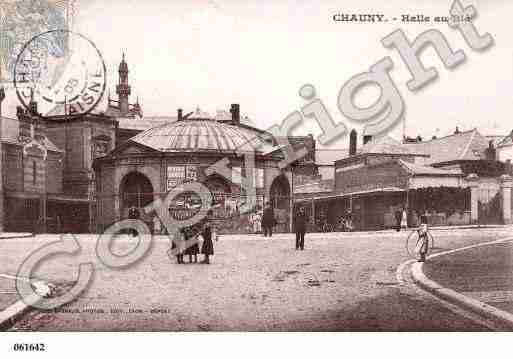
62	71
21	20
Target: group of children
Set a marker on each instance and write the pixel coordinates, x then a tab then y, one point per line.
187	242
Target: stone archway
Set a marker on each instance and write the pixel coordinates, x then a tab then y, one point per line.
224	202
280	193
135	190
280	198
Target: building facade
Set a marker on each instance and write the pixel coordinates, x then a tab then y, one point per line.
80	172
456	180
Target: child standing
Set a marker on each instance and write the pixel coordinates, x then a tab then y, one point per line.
191	245
177	245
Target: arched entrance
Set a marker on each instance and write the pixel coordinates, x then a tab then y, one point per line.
135	190
280	197
224	202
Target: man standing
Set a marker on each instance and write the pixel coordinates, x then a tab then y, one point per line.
398	217
423	242
268	220
404	219
133	213
300	228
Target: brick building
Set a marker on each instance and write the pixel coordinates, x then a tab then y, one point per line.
49	182
457	179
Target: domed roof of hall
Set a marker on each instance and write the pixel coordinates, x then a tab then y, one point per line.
205	135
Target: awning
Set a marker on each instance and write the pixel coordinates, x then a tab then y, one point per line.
351	194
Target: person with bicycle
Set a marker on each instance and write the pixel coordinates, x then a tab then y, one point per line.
423	243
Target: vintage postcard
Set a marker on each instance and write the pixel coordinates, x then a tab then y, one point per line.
263	166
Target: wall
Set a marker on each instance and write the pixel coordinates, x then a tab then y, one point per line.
12	167
368	177
77	138
54	168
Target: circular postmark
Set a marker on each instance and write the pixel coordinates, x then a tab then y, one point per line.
62	71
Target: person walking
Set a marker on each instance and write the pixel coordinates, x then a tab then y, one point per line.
207	249
268	220
349	220
300	222
404	219
256	221
133	213
398	217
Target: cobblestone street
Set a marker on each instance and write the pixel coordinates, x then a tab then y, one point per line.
342	281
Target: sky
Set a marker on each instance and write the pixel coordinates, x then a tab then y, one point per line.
209	54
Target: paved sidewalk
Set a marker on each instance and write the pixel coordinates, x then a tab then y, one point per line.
483	273
8	294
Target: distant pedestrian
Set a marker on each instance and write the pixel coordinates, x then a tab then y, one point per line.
208	233
59	224
349	221
133	213
423	244
398	216
300	222
268	220
257	222
404	219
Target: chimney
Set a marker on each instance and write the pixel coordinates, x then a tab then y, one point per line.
353	138
367	139
180	114
235	111
491	153
457	130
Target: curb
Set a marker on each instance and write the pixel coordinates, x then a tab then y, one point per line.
9	315
470	304
16	235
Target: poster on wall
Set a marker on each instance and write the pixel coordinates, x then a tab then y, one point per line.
175	176
258	176
191	173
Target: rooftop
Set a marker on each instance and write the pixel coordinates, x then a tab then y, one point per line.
468	145
197	135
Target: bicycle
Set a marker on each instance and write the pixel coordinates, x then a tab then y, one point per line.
413	243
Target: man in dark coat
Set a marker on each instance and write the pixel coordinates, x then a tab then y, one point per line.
300	222
268	221
133	213
398	216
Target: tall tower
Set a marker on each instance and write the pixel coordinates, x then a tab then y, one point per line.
123	88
